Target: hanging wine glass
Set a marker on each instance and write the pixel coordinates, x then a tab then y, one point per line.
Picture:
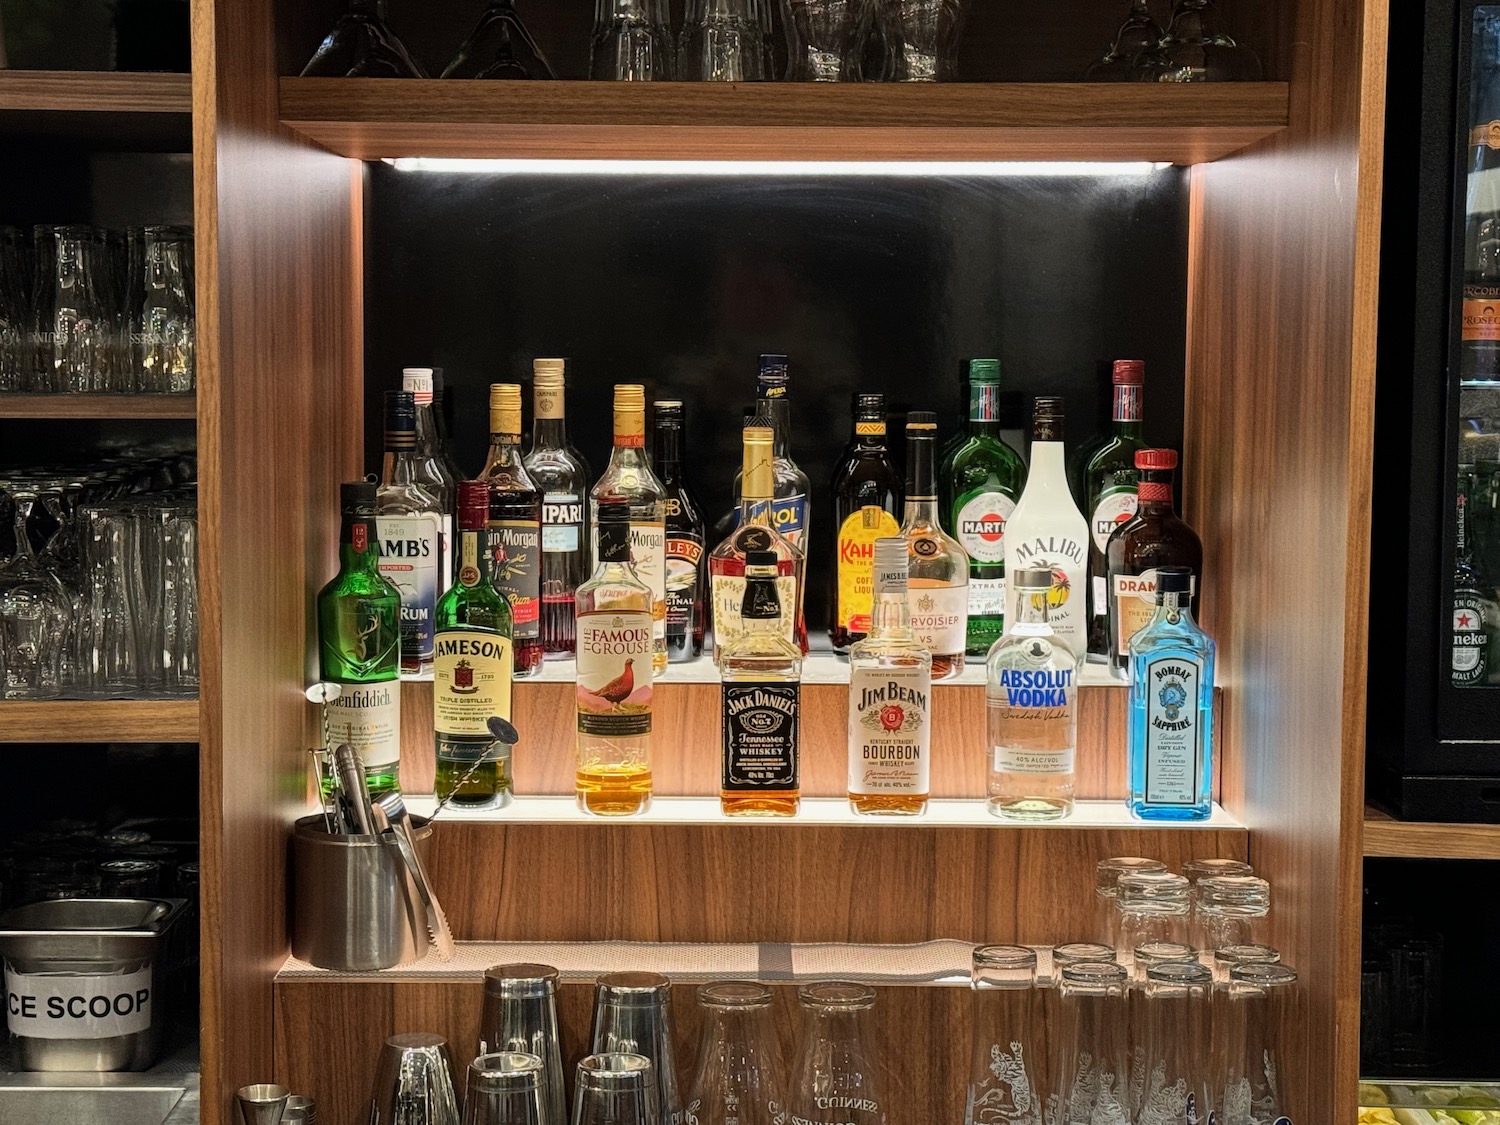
34	615
362	45
1138	35
1195	50
499	47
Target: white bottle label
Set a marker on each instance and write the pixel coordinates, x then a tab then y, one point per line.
368	718
1032	721
1066	555
889	731
939	616
981	526
1113	509
410	554
986	597
1174	734
562	521
68	1006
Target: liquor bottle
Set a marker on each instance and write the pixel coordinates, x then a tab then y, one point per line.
773	410
409	522
431	472
761	671
1479	354
628	477
1031	707
615	647
686	570
563	475
937	567
866	498
1108	491
472	672
1154	538
359	644
442	428
755	530
890	684
1171	708
1473	613
983	482
1047	529
512	558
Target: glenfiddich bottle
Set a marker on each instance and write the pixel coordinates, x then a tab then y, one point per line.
1109	491
867	495
937	567
472	672
1153	539
411	534
686	569
562	474
359	645
512	558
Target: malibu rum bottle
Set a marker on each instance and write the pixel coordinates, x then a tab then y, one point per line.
411	534
773	409
615	646
359	645
628	477
512	558
686	569
563	476
1110	477
937	567
866	497
472	672
890	684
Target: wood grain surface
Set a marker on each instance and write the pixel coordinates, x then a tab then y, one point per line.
374	119
1386	836
99	720
84	91
97	406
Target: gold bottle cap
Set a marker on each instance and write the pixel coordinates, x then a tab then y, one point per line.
505	408
758	480
549	377
630	414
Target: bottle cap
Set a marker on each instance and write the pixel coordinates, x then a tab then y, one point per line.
437	381
869	406
505	409
549	370
1161	460
548	378
1034	578
922	421
760	558
1129	372
418	380
890	563
400	420
473	504
357	498
1174	580
984	371
757	468
1047	419
630	415
668	410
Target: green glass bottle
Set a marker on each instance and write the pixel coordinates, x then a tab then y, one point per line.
472	671
958	439
1108	498
359	645
984	483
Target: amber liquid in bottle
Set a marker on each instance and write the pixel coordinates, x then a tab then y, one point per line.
613	790
867	497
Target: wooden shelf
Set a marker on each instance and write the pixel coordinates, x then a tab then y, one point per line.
98	406
1387	837
99	720
84	91
379	119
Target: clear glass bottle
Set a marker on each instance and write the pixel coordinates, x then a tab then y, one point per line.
1230	910
1108	480
867	494
1107	874
632	41
1031	705
628	477
1172	708
1047	529
761	672
1154	906
1090	1059
614	675
739	1078
561	472
512	558
442	428
409	521
686	568
890	685
1003	1078
835	1079
1174	1085
937	566
431	470
472	672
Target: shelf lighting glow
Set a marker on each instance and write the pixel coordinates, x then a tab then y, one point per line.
781	168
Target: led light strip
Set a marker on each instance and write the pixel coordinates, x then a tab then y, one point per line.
780	168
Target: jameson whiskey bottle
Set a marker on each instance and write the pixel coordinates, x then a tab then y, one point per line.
411	534
563	476
431	472
761	672
686	571
472	673
773	410
866	497
1154	538
983	482
937	567
512	558
1109	491
359	645
628	478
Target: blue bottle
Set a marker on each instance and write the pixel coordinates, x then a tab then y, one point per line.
1172	708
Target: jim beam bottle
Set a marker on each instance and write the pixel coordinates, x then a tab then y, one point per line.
867	495
513	539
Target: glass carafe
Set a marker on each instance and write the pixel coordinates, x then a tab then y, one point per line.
35	615
166	345
1003	1087
739	1076
721	41
500	47
836	1081
72	334
362	45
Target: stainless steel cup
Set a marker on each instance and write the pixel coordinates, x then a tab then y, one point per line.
633	1015
300	1111
414	1082
520	1014
261	1104
505	1088
353	903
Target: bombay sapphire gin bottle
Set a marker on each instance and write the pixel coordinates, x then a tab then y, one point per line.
1171	708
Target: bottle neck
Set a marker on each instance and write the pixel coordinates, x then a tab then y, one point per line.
428	436
399	466
1461	530
504	449
890	618
868	436
468	563
440	419
1126	411
357	545
921	477
777	413
1154	493
984	408
549	433
1047	460
1173	609
1034	607
760	608
669	454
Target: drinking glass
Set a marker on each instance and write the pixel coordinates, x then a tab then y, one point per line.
172	590
1228	908
921	39
1090	1054
633	1015
1107	874
834	1070
71	327
826	39
615	1088
114	661
631	41
362	45
165	334
1146	958
722	41
1193	49
1196	870
414	1082
499	47
1003	1087
1249	1081
1153	906
520	1015
505	1088
35	615
15	311
739	1075
1174	1083
1138	34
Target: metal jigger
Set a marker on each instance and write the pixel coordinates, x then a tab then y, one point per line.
633	1015
300	1111
262	1104
520	1014
414	1083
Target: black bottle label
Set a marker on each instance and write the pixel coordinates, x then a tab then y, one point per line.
760	736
